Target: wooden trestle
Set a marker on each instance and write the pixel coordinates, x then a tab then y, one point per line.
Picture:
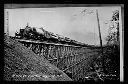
68	58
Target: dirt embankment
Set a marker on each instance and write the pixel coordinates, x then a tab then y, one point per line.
21	64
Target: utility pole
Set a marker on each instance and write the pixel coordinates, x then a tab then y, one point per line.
100	39
99	35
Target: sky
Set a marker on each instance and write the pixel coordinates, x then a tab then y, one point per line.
65	21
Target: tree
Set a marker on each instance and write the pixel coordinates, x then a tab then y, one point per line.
112	52
113	37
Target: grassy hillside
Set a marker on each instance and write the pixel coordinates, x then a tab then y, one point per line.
21	64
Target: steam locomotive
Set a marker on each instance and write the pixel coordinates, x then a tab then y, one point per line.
43	35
